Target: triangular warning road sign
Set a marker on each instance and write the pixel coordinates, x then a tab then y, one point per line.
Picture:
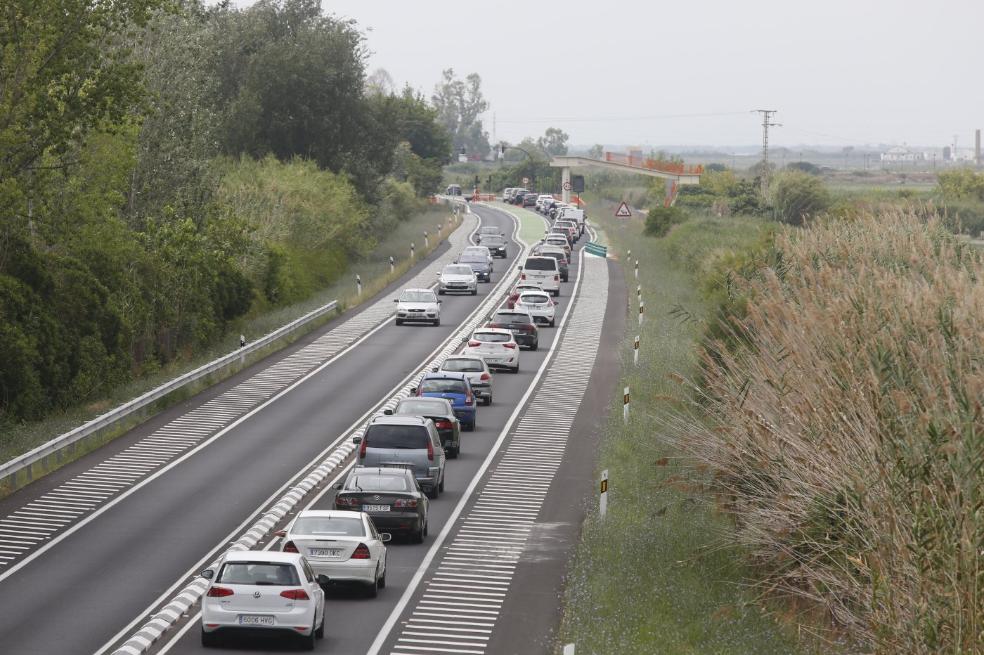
623	211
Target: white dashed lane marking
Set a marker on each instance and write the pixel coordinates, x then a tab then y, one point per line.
457	610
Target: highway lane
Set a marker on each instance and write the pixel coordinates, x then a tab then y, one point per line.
353	621
86	588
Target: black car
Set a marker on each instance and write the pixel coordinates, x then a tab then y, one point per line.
529	200
520	323
438	410
496	244
391	496
517	198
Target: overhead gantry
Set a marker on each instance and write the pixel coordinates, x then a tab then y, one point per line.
675	173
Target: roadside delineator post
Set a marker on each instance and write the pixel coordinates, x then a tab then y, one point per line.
358	285
569	649
637	269
426	240
625	405
602	502
392	265
411	250
639	292
642	311
628	255
635	351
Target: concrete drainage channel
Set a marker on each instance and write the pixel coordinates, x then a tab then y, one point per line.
172	611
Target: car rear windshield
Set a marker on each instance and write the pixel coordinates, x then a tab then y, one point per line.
491	337
540	264
533	298
372	482
493	240
442	386
421	407
510	317
325	525
258	573
458	270
397	436
560	257
473	259
418	296
488	229
463	365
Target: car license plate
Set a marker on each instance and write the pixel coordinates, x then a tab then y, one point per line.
325	552
375	508
255	619
493	360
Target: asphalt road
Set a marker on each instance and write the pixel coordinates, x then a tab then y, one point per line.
353	621
82	591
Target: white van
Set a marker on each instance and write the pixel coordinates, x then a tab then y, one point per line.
544	272
572	214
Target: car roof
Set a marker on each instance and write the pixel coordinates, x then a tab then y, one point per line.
474	358
329	514
444	402
419	289
515	311
554	249
444	375
531	292
399	419
381	470
261	556
493	330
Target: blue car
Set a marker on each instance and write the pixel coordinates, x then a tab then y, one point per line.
458	391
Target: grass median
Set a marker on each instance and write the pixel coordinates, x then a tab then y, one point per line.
659	574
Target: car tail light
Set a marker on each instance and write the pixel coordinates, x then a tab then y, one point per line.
289	547
486	376
295	594
361	552
219	592
405	502
523	276
346	501
442	425
469	398
556	278
430	451
363	446
509	345
474	344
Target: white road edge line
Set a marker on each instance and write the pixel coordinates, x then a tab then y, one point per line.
418	576
315	463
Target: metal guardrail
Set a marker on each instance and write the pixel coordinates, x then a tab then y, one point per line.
115	416
596	249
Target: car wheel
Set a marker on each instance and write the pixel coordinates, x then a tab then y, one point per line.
440	292
552	322
556	293
426	527
210	639
452	452
536	344
381	582
488	401
440	487
474	291
399	322
516	370
470	427
372	589
432	492
437	322
418	536
565	278
320	632
308	641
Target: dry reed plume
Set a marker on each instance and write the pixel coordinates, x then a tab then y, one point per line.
845	430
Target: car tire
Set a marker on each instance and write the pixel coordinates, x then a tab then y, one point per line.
474	291
440	292
432	493
210	639
536	345
372	589
307	642
515	370
440	487
437	322
553	322
453	453
418	536
470	427
320	632
556	293
381	582
399	322
566	278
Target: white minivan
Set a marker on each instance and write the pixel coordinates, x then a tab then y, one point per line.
544	272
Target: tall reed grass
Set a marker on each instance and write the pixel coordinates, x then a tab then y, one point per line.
842	424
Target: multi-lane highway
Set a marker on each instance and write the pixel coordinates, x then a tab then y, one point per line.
89	587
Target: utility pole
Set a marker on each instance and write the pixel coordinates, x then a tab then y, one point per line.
766	124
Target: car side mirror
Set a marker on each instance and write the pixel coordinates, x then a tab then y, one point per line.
280	533
388	412
439	302
396	300
413	391
323	579
208	574
435	369
340	486
519	267
385	537
439	274
356	440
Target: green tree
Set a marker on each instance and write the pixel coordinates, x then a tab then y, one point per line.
660	220
796	196
961	184
596	151
553	141
459	103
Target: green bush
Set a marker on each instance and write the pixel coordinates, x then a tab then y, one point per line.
660	220
797	196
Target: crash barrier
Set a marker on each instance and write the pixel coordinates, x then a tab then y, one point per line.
596	249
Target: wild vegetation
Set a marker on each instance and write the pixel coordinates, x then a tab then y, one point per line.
170	168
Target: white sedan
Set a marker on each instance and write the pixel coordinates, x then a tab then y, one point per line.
496	346
260	590
421	305
539	305
456	278
344	546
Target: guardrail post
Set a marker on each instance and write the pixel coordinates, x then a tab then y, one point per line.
639	292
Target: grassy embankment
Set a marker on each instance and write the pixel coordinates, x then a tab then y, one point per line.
660	575
374	270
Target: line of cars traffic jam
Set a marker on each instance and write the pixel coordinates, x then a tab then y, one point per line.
402	453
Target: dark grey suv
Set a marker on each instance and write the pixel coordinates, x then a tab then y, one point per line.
404	441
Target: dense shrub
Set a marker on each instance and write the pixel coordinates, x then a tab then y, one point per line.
844	429
797	196
660	220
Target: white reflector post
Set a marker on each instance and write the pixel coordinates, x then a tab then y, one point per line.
625	405
635	351
642	311
637	269
569	649
603	495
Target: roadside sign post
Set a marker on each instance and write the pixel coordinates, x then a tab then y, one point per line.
623	211
602	501
635	351
358	285
625	405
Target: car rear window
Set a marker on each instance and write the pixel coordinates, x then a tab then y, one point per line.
493	240
397	436
463	365
560	257
421	407
373	482
491	337
540	264
258	573
442	386
473	259
533	298
458	270
510	317
325	525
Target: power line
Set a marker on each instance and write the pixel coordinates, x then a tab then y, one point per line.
607	119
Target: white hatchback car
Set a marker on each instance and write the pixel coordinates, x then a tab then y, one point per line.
262	590
457	278
496	346
344	546
539	305
420	305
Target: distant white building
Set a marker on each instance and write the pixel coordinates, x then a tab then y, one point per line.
899	154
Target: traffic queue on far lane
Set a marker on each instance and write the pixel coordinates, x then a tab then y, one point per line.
401	456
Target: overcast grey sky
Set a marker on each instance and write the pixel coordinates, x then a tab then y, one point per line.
844	72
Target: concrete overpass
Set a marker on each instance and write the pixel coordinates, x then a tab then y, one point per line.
675	173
